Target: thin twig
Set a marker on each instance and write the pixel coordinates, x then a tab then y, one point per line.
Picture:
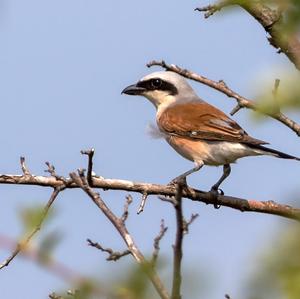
81	181
90	153
162	232
126	207
236	109
209	10
177	247
24	167
113	255
220	86
168	199
51	170
186	224
143	202
22	245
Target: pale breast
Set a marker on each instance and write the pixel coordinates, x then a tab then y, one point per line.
211	152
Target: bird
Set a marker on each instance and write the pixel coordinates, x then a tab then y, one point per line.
197	130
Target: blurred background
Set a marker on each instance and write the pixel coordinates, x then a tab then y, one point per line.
63	66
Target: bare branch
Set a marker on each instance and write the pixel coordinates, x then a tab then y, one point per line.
163	230
81	181
243	205
113	255
220	86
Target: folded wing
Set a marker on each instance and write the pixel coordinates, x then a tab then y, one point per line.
199	120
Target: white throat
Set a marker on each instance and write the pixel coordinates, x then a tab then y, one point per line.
160	100
164	105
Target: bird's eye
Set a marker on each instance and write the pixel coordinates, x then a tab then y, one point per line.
156	83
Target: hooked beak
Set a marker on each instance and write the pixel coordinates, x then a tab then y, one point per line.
133	90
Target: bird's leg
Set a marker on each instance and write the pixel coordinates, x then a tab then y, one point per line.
226	173
181	179
215	188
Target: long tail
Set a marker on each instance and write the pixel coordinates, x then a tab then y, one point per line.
276	153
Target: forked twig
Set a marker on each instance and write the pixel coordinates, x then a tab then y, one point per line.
119	224
113	255
162	232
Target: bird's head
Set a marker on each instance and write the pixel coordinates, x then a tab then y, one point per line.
161	88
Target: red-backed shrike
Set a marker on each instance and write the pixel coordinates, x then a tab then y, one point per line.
195	129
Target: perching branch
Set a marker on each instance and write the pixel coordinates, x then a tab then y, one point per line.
177	193
243	205
242	102
272	21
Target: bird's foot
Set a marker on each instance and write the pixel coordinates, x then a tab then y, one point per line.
180	180
215	191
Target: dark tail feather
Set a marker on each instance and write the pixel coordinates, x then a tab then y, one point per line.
276	153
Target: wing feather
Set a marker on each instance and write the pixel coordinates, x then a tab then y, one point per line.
199	120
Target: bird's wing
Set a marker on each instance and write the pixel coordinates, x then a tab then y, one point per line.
200	120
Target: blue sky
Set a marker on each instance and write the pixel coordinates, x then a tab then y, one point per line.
63	66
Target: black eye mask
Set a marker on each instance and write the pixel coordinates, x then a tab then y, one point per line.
158	84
